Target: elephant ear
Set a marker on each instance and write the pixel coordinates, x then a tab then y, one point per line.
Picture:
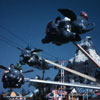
3	67
37	50
28	71
68	13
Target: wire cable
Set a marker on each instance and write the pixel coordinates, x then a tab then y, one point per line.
7	41
13	34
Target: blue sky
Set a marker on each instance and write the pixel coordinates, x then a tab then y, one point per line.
28	20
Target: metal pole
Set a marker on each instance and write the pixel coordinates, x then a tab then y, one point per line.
61	80
65	84
72	71
62	77
91	58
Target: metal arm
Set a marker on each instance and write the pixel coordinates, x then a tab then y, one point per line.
65	84
72	71
93	60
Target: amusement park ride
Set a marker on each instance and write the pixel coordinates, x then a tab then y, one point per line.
58	32
13	78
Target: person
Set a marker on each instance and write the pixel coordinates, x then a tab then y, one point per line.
25	56
26	53
11	68
18	67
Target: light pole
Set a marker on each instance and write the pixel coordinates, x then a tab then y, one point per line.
62	75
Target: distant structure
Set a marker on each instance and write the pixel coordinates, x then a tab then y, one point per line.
82	64
12	95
